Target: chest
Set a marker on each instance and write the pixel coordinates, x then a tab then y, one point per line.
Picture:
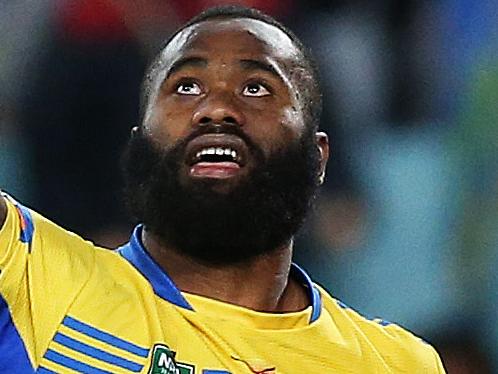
109	330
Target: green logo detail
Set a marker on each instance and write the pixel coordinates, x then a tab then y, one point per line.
163	362
185	368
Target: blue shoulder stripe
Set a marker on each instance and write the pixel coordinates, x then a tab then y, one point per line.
71	363
13	354
96	353
27	225
104	336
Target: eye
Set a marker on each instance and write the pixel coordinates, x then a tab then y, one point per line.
255	90
188	88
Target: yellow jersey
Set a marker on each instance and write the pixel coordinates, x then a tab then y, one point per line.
67	306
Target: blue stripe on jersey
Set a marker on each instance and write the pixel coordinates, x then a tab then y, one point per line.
28	228
13	355
104	336
342	305
96	353
161	283
42	370
313	293
71	363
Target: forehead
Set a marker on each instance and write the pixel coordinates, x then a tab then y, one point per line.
233	36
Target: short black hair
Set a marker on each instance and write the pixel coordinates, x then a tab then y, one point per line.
309	91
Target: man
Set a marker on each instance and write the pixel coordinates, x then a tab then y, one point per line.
221	172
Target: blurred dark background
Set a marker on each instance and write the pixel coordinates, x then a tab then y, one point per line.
406	227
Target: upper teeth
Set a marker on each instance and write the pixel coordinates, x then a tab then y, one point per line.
218	151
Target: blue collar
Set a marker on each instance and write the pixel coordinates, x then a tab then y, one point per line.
135	253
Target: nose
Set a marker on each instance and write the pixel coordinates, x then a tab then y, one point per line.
220	109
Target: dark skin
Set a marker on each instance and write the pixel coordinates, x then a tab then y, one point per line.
237	70
3	211
244	72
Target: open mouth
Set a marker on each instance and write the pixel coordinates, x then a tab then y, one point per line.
216	156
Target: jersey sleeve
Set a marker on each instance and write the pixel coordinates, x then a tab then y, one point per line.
42	268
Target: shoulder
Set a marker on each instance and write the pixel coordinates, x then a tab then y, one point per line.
29	236
49	245
399	349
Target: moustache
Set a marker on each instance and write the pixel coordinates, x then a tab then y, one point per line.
180	145
220	128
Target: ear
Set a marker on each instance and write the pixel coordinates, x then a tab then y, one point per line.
322	142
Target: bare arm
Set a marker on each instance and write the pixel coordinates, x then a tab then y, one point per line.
3	211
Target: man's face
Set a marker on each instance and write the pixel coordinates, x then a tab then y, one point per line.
224	158
236	72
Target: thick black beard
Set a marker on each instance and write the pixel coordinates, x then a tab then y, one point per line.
258	215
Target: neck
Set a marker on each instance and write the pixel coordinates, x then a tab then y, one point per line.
261	283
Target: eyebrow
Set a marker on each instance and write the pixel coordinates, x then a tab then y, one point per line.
247	64
186	62
259	65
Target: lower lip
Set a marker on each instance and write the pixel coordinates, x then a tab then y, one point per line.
215	170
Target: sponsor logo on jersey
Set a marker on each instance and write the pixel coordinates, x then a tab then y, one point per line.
163	362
